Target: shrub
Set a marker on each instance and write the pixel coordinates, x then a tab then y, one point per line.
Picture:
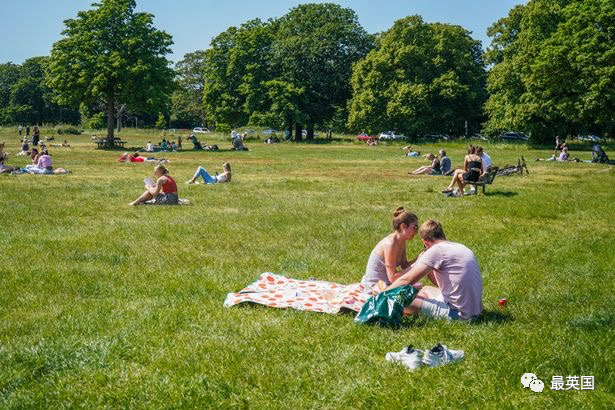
69	131
223	128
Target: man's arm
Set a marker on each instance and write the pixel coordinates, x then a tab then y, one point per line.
416	273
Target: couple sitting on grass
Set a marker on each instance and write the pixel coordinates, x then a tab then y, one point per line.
164	190
451	266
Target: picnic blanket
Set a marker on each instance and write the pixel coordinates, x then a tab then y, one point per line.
313	295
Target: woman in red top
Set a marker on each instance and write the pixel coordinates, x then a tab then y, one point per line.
163	193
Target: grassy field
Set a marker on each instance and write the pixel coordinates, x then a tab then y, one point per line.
106	305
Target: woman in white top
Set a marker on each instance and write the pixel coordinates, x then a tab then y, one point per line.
208	179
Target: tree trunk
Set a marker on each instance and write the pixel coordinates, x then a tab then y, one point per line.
110	120
298	132
310	131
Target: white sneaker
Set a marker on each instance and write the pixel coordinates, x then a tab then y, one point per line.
440	354
409	357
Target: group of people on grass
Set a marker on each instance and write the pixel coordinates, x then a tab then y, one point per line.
451	267
163	191
164	145
42	162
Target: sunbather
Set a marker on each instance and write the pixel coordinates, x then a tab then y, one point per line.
208	179
163	192
432	169
126	157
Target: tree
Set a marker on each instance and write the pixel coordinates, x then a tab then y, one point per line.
113	54
420	78
314	50
553	69
187	99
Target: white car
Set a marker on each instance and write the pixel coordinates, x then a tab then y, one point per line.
200	130
269	131
391	136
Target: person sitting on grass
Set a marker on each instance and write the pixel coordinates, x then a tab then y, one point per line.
4	169
42	164
149	147
433	169
563	156
237	141
208	179
453	268
25	147
195	142
388	260
445	163
471	172
163	192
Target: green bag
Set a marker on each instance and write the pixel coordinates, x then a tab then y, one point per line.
387	308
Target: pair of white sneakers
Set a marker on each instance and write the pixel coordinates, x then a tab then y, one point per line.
436	356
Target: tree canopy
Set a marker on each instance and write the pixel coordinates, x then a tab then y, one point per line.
553	69
420	78
113	54
187	100
294	70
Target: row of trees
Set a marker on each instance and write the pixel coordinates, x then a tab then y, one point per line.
549	69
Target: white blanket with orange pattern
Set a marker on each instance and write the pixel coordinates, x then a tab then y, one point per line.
313	295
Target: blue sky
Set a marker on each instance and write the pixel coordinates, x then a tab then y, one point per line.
30	27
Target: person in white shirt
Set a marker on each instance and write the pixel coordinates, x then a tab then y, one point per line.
149	147
486	159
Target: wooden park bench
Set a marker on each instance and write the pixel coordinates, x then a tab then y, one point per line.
487	180
102	143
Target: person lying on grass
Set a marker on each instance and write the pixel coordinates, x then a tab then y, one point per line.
388	260
163	192
454	269
126	157
471	172
208	179
432	169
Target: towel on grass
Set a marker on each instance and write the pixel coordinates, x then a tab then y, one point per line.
314	295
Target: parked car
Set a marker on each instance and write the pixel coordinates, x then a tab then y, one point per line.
592	138
364	137
391	136
200	130
437	137
269	131
511	136
479	137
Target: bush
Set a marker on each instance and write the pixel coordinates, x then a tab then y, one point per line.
97	121
223	128
69	131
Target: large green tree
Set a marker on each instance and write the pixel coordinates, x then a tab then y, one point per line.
420	78
315	48
113	54
553	69
187	100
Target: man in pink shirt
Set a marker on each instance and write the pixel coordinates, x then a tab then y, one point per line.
453	267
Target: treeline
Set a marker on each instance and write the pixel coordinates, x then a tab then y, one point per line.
549	70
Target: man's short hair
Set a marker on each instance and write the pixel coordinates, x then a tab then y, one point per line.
431	231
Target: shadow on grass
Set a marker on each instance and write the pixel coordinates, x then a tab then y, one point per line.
507	194
494	317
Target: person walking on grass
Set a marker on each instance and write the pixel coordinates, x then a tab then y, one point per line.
388	260
453	268
163	192
208	179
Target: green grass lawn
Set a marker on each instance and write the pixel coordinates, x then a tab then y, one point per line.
106	305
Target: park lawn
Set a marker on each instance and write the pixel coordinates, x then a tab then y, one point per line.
105	305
